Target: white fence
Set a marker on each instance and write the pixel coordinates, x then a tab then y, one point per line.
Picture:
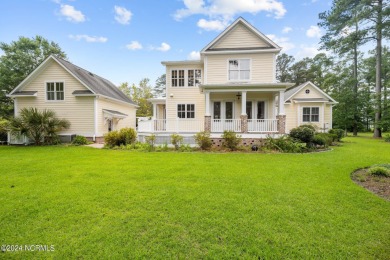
263	125
220	125
170	125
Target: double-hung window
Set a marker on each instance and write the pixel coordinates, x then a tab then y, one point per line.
186	110
177	78
239	69
194	78
55	91
311	114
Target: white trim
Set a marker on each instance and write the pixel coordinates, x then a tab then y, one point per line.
323	114
186	69
185	111
205	69
15	96
223	108
242	51
55	92
331	117
117	100
95	101
320	120
15	107
244	81
246	24
299	114
246	90
274	68
315	87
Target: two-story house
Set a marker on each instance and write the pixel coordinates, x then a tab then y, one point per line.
233	87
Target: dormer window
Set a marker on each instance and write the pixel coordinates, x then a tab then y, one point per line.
55	91
239	69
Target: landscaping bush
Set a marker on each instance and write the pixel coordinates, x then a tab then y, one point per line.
185	148
303	133
203	140
387	138
231	140
151	140
80	140
176	140
284	144
3	129
323	139
379	171
127	136
338	132
112	139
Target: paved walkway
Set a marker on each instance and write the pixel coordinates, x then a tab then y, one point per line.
95	145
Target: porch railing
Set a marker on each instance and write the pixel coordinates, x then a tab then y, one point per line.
263	125
171	125
220	125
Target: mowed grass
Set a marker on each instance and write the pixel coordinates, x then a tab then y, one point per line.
92	203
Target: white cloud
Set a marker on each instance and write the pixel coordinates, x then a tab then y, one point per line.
88	38
123	15
307	51
313	32
72	14
212	25
283	42
194	55
163	47
286	29
134	45
226	9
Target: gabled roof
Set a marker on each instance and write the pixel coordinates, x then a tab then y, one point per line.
272	46
290	93
94	83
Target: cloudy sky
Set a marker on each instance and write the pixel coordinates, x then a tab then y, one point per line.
126	40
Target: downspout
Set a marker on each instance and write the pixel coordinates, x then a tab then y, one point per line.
95	118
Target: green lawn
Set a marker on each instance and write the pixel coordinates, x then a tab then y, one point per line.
92	203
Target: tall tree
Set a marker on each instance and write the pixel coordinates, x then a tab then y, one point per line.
140	95
283	67
20	58
343	36
159	89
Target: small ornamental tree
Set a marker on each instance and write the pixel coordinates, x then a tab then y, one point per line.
304	134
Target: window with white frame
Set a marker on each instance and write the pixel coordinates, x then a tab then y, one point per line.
186	110
194	78
177	78
55	91
239	69
311	114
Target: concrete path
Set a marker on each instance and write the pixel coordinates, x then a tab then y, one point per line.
95	145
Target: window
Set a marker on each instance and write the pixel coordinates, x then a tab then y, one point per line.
194	78
186	111
177	78
239	69
311	114
307	91
55	90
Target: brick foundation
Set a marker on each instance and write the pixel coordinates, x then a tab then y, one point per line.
218	142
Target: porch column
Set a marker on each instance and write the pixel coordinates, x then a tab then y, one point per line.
243	116
281	115
207	94
281	102
154	111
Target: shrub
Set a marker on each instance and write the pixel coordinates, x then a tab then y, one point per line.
284	144
303	133
151	140
203	140
3	129
231	140
323	139
338	132
379	171
112	139
313	127
80	140
185	148
127	136
387	138
176	140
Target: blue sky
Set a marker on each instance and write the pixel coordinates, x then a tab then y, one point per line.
126	40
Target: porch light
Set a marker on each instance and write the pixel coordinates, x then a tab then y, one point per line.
171	95
238	96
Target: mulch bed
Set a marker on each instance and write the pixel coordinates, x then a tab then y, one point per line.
376	184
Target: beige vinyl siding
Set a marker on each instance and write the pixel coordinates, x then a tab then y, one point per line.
129	121
160	111
240	37
78	110
291	116
313	93
261	70
184	95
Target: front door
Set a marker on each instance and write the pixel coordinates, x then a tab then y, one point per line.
223	115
